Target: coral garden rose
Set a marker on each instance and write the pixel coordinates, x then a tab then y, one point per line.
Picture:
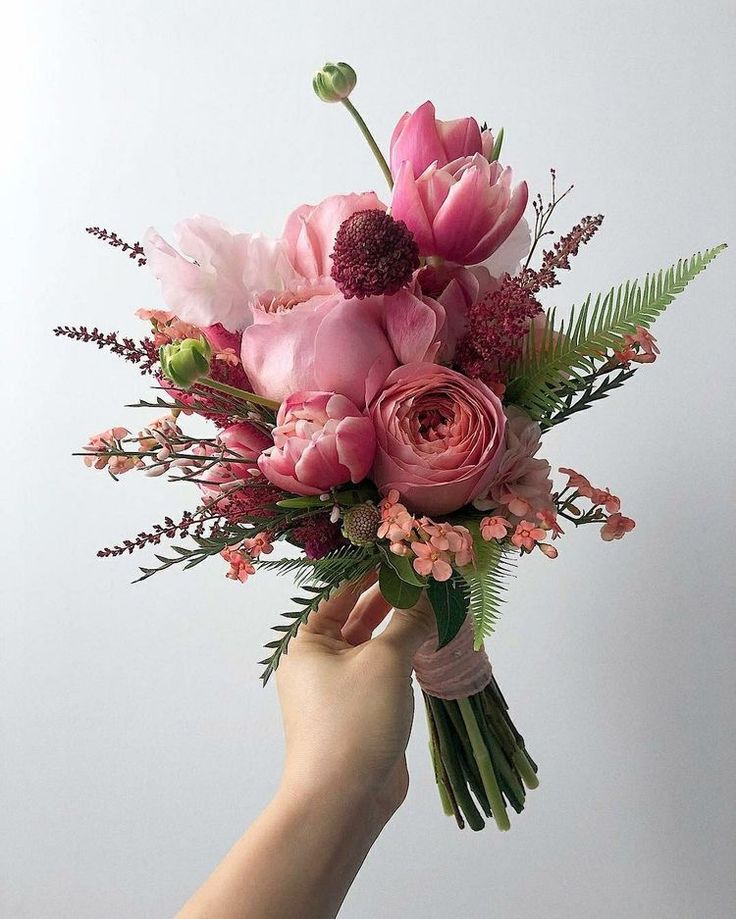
321	440
463	211
439	437
222	274
336	345
422	139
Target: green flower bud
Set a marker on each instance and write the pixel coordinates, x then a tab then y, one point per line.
360	524
334	82
185	362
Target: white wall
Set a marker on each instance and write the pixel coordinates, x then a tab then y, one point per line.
136	739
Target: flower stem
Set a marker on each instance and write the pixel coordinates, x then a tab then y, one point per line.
238	393
485	765
375	149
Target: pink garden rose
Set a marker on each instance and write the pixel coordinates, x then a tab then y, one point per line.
222	274
463	211
439	436
332	344
309	234
320	440
422	139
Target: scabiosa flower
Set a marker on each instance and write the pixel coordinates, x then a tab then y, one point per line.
374	254
360	524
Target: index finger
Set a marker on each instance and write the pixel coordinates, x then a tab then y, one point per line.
331	615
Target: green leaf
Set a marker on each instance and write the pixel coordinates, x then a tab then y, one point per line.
493	563
299	502
553	357
395	591
450	604
498	143
403	567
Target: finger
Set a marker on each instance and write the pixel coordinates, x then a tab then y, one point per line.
409	628
331	615
368	613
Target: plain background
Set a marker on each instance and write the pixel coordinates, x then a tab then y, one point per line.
137	742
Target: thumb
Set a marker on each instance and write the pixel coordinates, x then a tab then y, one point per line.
409	628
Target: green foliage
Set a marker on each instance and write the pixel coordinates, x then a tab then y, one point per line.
398	593
331	581
403	567
449	601
337	564
493	563
582	392
556	358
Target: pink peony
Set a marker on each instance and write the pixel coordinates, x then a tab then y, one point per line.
438	437
422	139
321	440
332	344
246	441
223	274
521	486
463	211
309	234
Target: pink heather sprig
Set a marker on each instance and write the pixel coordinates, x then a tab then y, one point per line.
134	250
495	330
192	523
143	352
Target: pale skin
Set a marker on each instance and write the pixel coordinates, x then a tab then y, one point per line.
347	706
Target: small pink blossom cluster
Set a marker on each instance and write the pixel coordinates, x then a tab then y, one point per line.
240	558
526	535
641	348
436	547
615	525
101	452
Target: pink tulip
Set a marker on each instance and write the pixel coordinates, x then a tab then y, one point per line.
309	233
422	139
246	441
332	344
463	211
439	437
320	440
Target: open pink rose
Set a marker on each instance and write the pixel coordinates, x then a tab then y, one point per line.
463	211
332	344
309	234
422	139
321	440
439	437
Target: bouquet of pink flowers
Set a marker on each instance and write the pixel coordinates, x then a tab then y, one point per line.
377	382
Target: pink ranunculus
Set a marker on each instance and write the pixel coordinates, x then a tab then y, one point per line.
332	344
439	436
309	233
463	211
321	440
222	273
422	139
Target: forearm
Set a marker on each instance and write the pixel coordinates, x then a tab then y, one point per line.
299	858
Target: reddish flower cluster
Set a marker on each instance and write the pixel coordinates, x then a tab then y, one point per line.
559	255
143	352
374	254
495	330
318	535
134	250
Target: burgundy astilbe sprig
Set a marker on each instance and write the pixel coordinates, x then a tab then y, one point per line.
318	536
143	352
559	256
134	250
495	329
197	524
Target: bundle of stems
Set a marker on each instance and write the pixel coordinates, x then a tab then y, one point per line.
480	761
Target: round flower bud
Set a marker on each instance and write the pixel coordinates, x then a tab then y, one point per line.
360	524
373	255
334	82
185	362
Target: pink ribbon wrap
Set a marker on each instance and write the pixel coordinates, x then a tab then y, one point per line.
455	671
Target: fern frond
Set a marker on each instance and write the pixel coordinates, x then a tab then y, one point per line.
307	605
493	563
581	343
339	562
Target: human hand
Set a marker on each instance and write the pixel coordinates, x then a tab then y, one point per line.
347	699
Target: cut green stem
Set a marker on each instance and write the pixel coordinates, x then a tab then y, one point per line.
238	393
485	765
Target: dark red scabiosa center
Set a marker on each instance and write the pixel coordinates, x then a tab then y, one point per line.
374	254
